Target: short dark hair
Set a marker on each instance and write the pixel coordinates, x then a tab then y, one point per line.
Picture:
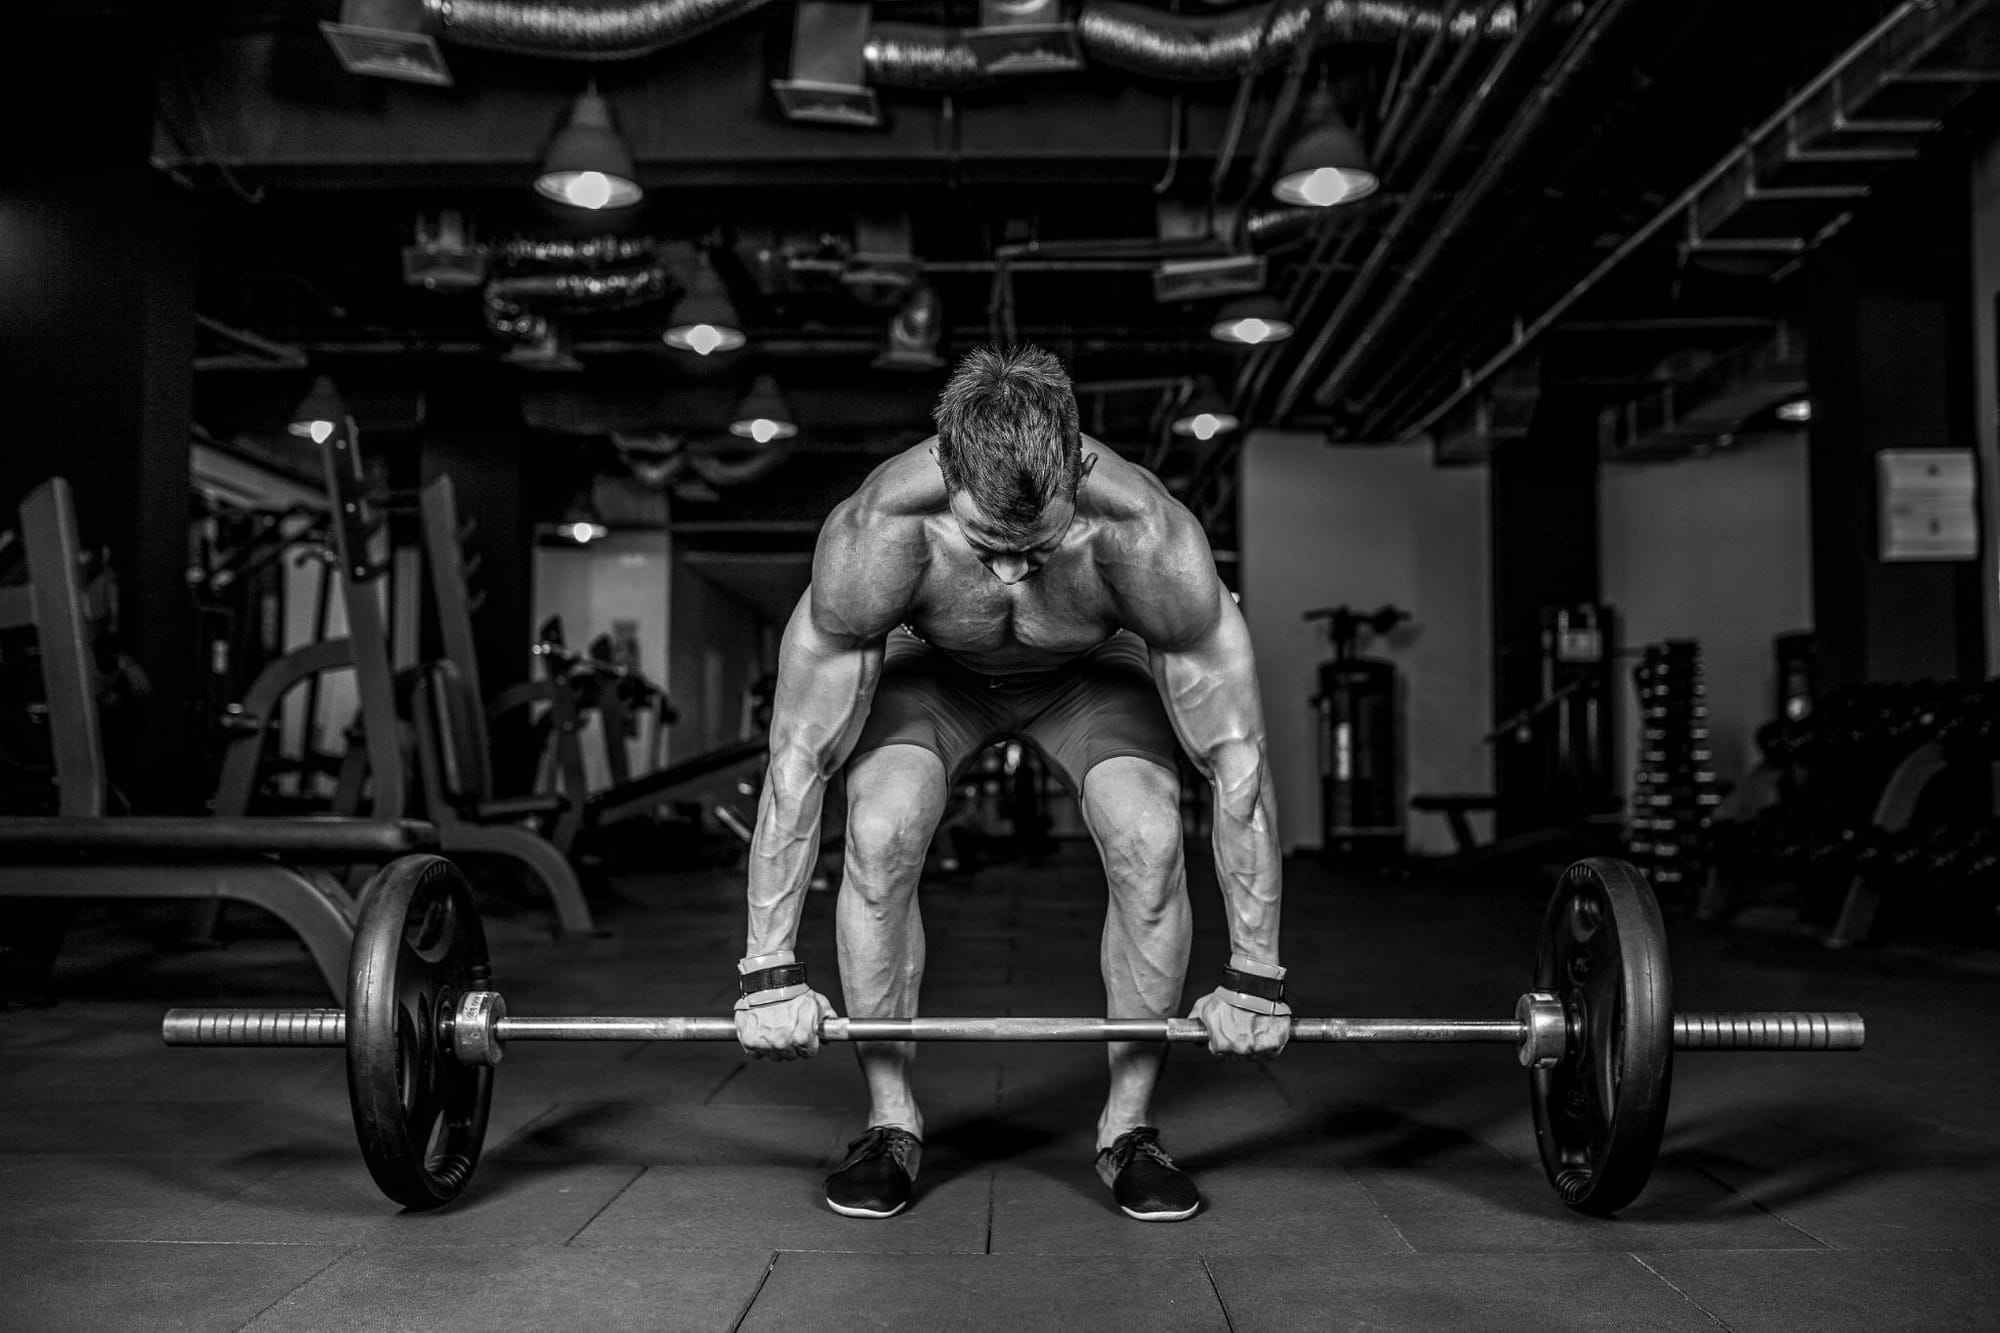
1007	434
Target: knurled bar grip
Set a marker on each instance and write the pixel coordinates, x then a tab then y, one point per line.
1768	1032
255	1027
1692	1031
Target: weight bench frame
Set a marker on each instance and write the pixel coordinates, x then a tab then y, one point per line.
83	852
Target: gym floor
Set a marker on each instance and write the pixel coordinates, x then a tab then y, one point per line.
678	1187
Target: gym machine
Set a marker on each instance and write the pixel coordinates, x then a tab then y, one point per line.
1360	740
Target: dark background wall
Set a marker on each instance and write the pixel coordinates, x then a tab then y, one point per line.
1891	366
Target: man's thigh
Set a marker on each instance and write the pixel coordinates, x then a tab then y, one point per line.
921	701
1108	708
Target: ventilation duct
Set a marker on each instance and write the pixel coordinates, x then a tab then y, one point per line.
1197	48
579	31
1119	33
515	304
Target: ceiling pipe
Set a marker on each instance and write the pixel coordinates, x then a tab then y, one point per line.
1404	125
1525	335
1415	200
1121	34
1495	166
1397	130
1400	383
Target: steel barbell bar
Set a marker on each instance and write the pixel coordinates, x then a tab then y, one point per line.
481	1029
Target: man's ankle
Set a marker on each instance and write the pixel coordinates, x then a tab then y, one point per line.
911	1121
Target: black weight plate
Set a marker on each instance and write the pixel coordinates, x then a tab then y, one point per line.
1600	1112
419	1112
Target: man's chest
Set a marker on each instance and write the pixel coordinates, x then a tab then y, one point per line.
1056	611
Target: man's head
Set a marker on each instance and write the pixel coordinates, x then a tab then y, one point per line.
1011	455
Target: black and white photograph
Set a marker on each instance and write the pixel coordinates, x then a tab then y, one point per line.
1103	666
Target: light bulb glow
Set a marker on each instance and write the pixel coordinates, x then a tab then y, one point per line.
762	429
1251	330
588	189
702	339
1323	187
1205	425
582	532
1798	410
319	432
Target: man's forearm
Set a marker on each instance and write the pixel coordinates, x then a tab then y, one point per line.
1247	861
782	851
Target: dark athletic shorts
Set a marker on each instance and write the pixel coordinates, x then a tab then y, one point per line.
1102	705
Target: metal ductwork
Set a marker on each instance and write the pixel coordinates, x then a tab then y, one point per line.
1189	48
580	31
1185	48
514	304
1197	48
523	251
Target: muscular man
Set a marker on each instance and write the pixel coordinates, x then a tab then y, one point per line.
1009	577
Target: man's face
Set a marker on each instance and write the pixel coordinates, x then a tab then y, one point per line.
1010	556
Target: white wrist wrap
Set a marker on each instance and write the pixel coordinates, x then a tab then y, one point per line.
1250	1004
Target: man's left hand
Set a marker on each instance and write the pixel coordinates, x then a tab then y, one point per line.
1239	1032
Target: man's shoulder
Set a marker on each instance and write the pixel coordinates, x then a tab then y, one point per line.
904	489
1136	512
1153	552
873	547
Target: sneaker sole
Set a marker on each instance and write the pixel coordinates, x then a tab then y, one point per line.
845	1211
1180	1216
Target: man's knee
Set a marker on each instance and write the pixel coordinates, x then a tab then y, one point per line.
893	808
1134	810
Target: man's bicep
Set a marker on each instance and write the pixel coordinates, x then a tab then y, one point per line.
826	677
1209	684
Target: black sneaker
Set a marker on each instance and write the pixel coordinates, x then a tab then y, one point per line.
1144	1180
875	1179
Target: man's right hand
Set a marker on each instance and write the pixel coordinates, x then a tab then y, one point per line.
786	1030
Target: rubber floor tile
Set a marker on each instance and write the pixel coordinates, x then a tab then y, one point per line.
784	1208
1430	1293
606	1071
1832	1291
119	1127
1861	1206
108	1286
1513	1209
167	1075
831	1293
338	1203
519	1287
1245	1211
669	1134
119	1198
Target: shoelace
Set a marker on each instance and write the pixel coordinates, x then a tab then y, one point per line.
1134	1142
883	1141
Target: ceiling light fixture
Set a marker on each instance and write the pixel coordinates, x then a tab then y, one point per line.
1250	321
580	522
763	415
914	331
1204	415
704	320
1798	410
588	165
320	413
1326	165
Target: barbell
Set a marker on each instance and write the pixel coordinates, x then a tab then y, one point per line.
424	1028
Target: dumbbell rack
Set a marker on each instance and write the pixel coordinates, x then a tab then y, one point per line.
1674	789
